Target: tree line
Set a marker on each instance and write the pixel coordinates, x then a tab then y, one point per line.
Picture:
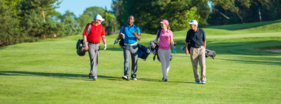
148	13
32	20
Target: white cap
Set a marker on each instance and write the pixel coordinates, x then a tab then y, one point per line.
98	17
193	22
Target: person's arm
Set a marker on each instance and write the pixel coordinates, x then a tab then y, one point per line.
137	34
186	43
205	44
186	49
103	38
85	42
121	31
172	40
204	39
85	34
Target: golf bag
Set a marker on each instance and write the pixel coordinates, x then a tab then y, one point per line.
143	52
208	52
155	51
80	47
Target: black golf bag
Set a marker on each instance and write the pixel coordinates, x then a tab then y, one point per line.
208	52
80	47
155	51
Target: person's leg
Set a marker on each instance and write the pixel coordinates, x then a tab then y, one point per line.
168	57
161	54
126	61
202	64
194	60
134	57
96	60
92	53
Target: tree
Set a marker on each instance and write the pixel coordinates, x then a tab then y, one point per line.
8	25
32	16
148	13
111	25
270	10
89	14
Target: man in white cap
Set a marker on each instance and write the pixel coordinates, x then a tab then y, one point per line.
197	39
93	33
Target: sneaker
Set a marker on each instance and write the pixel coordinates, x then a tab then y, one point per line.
94	78
134	79
203	82
197	82
90	76
165	80
125	78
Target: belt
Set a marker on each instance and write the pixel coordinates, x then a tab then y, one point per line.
93	43
131	44
197	47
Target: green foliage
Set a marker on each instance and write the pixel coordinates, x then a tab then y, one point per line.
8	26
110	24
32	20
89	14
270	10
149	13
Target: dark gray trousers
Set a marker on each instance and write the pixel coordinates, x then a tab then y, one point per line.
130	51
93	54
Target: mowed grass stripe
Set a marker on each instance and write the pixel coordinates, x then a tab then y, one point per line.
49	71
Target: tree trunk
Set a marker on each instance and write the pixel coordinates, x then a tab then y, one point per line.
43	13
7	41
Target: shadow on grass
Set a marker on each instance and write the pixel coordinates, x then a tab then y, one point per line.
61	75
65	75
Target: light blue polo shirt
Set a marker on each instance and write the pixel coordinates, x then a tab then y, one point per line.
129	37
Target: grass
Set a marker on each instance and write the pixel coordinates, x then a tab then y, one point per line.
49	71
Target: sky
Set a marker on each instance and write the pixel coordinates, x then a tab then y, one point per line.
78	6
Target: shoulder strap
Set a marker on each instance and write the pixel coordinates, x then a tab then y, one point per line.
136	28
124	28
89	29
158	34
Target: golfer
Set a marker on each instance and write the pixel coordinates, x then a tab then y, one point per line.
132	34
197	39
164	51
93	33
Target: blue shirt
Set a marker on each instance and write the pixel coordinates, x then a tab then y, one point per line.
129	36
196	39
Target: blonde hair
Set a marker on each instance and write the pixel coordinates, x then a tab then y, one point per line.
168	27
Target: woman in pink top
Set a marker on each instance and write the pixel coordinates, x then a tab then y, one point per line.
164	51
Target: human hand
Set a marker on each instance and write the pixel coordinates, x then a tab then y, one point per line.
122	35
105	47
86	48
153	46
116	41
175	50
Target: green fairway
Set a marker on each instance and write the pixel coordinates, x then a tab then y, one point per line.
50	71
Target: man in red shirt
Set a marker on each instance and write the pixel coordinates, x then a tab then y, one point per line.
93	33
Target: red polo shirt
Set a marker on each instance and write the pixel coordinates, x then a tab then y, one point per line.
96	33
